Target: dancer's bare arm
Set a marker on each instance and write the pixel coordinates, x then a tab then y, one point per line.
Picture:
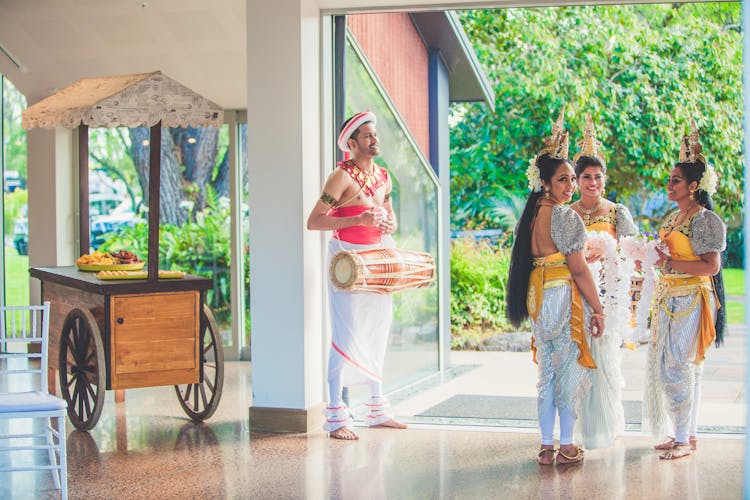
582	276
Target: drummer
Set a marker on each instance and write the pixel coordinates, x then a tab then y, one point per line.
356	206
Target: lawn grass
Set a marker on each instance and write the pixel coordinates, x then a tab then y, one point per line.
16	278
735	312
734	281
734	287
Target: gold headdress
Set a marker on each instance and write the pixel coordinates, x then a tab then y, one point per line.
691	148
690	152
556	145
589	146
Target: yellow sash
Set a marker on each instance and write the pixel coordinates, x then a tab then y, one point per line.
549	272
679	285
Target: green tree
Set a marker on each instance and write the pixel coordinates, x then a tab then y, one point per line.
14	147
642	71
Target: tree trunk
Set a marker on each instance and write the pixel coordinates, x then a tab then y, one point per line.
197	149
221	182
171	191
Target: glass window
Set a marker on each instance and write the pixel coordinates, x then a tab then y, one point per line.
243	179
15	196
413	344
194	211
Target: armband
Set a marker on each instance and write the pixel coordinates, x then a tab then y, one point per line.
328	199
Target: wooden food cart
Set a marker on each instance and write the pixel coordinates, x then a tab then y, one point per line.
129	333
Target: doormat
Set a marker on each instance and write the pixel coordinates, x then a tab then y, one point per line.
505	408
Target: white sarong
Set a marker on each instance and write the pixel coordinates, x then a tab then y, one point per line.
360	324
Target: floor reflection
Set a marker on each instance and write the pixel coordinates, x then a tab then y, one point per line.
146	448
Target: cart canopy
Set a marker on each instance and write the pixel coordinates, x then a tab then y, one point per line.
140	100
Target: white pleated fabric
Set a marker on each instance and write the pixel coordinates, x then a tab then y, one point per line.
360	324
602	416
671	377
563	382
337	417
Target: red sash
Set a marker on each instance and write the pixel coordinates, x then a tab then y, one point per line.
360	235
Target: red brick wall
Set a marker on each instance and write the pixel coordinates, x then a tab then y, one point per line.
398	55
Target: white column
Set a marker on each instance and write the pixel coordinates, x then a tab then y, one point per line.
53	188
284	160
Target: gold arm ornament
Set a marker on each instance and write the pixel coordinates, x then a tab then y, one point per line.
328	199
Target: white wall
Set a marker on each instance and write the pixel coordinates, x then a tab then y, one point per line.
284	117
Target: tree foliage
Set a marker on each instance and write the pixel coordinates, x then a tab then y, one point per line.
192	160
642	71
14	136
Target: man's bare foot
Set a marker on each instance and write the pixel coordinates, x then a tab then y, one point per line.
546	455
678	450
395	424
693	443
344	433
666	444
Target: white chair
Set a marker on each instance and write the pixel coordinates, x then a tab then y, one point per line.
24	334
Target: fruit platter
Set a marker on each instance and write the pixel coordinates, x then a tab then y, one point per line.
109	274
122	260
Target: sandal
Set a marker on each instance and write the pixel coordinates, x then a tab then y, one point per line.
542	452
666	444
678	450
577	458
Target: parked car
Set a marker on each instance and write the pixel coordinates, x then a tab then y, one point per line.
108	214
13	181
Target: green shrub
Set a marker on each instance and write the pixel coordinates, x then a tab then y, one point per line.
734	256
14	203
201	246
479	273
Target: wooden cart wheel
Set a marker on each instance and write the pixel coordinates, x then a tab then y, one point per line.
82	377
201	400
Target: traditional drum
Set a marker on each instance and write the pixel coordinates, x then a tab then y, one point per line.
381	270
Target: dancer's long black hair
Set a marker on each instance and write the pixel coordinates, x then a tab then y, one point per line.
521	258
693	171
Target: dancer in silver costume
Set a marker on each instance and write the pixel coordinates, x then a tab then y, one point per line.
602	415
547	283
687	317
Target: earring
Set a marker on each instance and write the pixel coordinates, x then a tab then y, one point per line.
692	194
546	193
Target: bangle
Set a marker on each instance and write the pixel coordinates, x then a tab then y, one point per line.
599	315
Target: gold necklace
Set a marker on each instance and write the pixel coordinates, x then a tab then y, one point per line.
586	213
366	174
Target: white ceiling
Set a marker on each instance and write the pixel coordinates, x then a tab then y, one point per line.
199	43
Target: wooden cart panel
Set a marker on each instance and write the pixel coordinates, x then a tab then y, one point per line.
63	300
154	339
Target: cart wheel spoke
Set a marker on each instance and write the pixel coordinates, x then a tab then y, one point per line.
203	395
90	391
201	400
82	368
210	386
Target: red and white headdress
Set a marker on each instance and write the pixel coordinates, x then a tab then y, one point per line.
356	121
